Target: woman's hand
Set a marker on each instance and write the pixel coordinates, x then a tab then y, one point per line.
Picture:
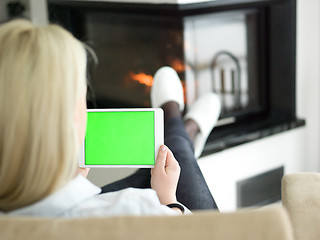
165	176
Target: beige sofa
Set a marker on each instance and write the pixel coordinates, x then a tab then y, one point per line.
301	198
268	223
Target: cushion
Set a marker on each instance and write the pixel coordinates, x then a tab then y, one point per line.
270	223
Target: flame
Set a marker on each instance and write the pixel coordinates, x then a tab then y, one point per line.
179	66
142	78
147	80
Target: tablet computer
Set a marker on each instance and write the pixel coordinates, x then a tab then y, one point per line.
122	137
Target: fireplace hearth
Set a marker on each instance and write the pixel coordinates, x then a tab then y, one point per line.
243	50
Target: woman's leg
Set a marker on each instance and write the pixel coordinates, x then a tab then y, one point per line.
192	189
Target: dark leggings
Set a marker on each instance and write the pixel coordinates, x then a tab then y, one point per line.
192	189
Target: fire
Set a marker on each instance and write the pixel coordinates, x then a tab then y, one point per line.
147	80
142	78
178	65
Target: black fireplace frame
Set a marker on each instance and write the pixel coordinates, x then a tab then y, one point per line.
277	60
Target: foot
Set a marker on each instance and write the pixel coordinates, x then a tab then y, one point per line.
204	112
166	87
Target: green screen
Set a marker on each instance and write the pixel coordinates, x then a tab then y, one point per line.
120	138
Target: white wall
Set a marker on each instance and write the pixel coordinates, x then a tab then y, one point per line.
3	11
36	10
224	169
308	78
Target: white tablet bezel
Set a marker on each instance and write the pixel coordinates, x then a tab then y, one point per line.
158	134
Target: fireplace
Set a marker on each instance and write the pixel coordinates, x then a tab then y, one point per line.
243	50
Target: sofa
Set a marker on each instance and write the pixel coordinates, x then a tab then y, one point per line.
298	218
266	223
301	199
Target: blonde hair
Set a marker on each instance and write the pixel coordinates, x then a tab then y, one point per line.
42	77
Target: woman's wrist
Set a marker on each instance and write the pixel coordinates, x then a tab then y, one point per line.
166	199
176	206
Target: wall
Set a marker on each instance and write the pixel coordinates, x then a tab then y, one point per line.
222	170
3	12
308	76
35	10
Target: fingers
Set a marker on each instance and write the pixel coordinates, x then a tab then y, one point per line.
165	161
162	156
161	159
171	161
165	176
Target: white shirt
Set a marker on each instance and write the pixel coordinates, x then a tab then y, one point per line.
80	198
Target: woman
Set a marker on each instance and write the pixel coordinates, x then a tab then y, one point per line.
42	126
